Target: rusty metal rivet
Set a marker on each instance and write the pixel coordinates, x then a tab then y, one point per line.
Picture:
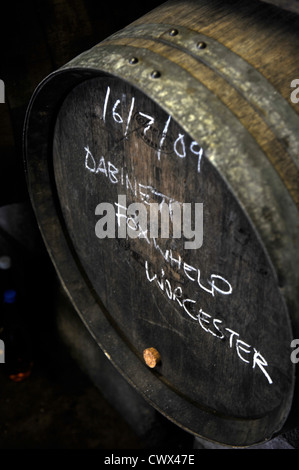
133	60
173	32
155	74
201	45
151	357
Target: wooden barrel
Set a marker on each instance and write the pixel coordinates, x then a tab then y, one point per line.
162	165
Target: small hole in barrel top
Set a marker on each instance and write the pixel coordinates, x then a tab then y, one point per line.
201	45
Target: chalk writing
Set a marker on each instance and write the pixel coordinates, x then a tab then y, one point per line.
146	193
217	283
213	326
165	140
109	170
130	115
149	195
155	138
164	134
106	103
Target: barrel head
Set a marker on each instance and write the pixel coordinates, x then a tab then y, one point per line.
196	286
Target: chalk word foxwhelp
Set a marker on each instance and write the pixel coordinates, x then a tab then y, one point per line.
133	221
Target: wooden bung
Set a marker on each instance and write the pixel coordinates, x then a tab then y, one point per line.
151	357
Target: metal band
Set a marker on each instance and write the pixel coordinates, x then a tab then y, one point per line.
251	84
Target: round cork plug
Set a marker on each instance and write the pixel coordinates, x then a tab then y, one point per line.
151	357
